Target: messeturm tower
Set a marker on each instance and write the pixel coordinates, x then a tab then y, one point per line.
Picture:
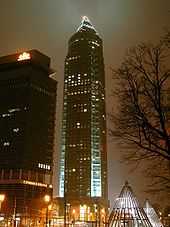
83	176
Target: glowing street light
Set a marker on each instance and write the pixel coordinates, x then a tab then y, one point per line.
2	197
103	214
47	199
73	213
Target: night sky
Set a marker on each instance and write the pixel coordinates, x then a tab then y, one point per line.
47	25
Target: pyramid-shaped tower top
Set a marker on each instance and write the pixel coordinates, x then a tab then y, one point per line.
86	25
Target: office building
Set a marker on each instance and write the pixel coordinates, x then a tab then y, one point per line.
83	176
27	122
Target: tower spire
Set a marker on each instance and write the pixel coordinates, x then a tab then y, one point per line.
86	25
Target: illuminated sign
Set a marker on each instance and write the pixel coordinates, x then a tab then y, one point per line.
36	184
24	56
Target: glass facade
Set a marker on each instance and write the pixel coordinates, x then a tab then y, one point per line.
27	116
83	172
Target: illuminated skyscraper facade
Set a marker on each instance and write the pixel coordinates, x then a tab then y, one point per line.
27	117
83	175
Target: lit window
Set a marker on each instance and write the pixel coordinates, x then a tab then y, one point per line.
6	144
74	170
15	129
44	166
6	115
13	110
85	110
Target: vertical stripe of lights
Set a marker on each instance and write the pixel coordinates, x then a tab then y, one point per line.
95	131
63	142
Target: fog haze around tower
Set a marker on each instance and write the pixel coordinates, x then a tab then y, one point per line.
47	27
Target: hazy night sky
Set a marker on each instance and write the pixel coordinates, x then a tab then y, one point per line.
47	25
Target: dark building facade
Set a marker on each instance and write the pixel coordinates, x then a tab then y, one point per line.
83	176
27	122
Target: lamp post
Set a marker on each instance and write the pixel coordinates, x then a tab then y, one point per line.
47	200
96	216
85	212
2	197
68	213
103	214
73	216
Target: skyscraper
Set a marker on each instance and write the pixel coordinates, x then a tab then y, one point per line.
27	121
83	176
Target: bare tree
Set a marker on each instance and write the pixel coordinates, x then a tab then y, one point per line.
159	172
142	119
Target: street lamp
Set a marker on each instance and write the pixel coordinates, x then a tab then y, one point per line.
96	215
85	212
2	197
68	213
73	215
47	199
103	213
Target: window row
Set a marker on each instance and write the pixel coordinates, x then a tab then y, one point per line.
20	174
